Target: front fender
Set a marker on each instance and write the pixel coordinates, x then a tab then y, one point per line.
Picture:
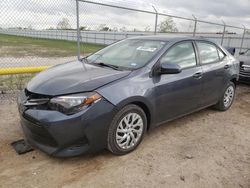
137	90
136	100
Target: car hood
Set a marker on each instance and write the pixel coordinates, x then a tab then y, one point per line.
73	77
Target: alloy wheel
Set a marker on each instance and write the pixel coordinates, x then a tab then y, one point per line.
129	131
228	96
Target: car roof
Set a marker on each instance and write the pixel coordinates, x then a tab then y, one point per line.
170	38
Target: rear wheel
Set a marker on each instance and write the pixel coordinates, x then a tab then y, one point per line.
227	99
127	130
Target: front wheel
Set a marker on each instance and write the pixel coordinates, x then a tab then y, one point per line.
127	130
227	99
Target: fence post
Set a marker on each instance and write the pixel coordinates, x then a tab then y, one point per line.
243	37
223	34
78	30
229	41
195	25
156	19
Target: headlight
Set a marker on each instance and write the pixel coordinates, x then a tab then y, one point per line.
71	104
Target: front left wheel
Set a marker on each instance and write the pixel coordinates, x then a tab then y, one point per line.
127	130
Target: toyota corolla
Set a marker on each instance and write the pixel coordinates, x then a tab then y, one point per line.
110	99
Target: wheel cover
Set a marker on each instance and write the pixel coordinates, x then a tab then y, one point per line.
228	96
129	131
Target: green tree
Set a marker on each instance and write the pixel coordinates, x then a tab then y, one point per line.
83	28
123	29
115	29
50	28
168	25
104	27
64	24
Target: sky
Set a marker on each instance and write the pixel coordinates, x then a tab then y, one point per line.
43	14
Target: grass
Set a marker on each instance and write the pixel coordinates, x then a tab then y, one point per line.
21	47
14	82
16	46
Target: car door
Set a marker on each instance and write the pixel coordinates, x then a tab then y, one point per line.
214	66
178	94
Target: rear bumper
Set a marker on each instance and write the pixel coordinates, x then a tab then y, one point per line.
61	135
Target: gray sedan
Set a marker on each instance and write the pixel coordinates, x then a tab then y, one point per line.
110	99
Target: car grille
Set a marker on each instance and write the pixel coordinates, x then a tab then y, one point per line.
31	95
36	129
245	70
36	101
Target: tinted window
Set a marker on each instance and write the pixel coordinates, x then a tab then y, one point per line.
208	52
182	54
221	54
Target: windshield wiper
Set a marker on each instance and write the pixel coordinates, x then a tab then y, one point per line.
85	60
108	65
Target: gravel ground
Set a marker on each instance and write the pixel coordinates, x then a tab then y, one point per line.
205	149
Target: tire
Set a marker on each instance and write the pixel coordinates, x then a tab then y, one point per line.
226	100
127	130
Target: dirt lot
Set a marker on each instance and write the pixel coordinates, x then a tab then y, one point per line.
205	149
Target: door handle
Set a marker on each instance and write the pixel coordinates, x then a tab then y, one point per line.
227	66
198	75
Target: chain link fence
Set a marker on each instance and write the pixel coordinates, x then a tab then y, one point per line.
38	34
137	22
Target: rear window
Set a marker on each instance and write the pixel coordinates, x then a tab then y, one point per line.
208	52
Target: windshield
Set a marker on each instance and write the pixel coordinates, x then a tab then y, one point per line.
131	53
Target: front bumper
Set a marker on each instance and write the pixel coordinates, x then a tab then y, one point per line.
244	79
67	135
245	73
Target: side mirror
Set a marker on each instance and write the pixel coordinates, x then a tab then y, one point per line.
169	68
231	50
242	53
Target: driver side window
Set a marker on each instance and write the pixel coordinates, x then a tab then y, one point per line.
182	54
